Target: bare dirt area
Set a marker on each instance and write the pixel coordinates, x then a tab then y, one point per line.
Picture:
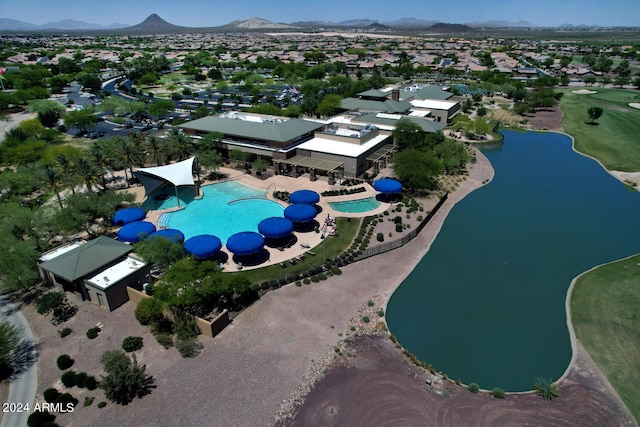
378	386
10	121
547	119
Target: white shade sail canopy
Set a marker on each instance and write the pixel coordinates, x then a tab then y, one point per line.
177	174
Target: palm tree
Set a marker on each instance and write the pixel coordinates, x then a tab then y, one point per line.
129	154
66	167
181	145
156	148
52	177
101	157
88	172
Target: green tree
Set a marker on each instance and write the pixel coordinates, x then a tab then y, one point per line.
9	340
89	173
594	113
161	251
124	378
329	105
417	169
156	148
48	111
79	119
159	108
129	153
408	135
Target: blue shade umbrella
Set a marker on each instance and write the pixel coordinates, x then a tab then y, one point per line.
135	231
275	227
203	246
304	196
170	233
387	186
300	212
245	243
127	215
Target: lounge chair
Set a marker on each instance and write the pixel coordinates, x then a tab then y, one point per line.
282	264
311	253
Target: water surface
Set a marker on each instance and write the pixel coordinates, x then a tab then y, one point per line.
486	304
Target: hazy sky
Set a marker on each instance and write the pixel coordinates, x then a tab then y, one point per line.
203	13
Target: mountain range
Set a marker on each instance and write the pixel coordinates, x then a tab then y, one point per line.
155	24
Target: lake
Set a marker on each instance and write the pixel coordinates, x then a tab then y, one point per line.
486	304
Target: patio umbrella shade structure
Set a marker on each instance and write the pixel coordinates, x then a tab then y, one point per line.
245	243
170	233
135	231
308	197
275	227
127	215
203	246
300	212
388	186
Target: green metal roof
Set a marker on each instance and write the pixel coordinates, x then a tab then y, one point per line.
388	106
429	126
86	259
374	93
284	131
428	92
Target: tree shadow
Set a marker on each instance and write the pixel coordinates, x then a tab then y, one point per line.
23	357
592	123
148	384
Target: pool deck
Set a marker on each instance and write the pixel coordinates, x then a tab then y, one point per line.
283	183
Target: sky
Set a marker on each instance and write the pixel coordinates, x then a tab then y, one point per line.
211	13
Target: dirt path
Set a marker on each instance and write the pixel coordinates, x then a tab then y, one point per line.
380	387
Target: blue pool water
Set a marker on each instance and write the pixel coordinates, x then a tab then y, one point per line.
225	209
355	206
486	304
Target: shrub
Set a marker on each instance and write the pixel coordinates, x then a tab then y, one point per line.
68	378
380	237
298	283
149	310
93	332
90	383
88	400
81	379
306	281
546	389
188	347
315	279
164	339
40	418
322	276
49	301
473	388
370	303
498	393
398	228
102	404
130	344
50	395
397	219
336	271
366	319
65	332
64	362
65	398
380	313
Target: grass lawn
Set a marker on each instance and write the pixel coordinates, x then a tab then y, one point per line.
605	311
335	246
614	138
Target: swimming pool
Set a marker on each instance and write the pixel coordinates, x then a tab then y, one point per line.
225	209
355	206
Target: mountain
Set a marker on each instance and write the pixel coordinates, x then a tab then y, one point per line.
357	23
66	24
502	24
257	24
410	22
154	25
441	27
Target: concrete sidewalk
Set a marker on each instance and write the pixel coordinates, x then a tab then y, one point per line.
22	390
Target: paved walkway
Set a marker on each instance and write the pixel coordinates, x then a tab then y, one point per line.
23	388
